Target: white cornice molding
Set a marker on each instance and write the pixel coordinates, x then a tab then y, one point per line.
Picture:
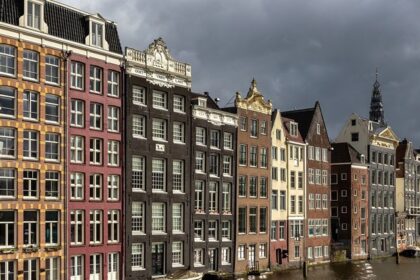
216	117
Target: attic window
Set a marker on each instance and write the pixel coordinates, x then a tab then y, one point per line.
293	129
353	122
33	15
362	159
318	129
202	102
97	31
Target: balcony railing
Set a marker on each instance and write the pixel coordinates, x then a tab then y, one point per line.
414	211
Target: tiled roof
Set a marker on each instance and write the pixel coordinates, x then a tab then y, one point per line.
286	125
344	153
62	22
303	117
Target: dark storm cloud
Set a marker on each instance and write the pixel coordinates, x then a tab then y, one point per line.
298	51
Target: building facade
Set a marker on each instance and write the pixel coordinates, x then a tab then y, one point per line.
213	186
279	193
314	132
374	138
158	159
349	201
253	172
407	192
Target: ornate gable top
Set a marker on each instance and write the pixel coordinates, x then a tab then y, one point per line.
158	46
254	100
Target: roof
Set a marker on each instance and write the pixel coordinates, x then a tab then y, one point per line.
286	125
62	21
211	103
303	117
344	153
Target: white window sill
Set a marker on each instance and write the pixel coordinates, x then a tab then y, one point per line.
138	233
177	265
179	143
138	269
159	233
160	140
199	265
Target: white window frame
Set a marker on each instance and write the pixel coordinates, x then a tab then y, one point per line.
77	112
78	225
113	119
177	254
200	136
8	55
113	226
96	116
30	60
158	218
178	171
179	103
31	105
52	70
95	264
139	126
95	187
77	266
95	151
113	187
95	79
137	256
159	175
159	130
160	100
139	95
97	33
77	75
137	217
179	132
96	226
53	102
138	173
8	142
113	83
113	153
52	143
31	186
77	189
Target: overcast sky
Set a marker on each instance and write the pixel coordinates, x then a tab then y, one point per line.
299	51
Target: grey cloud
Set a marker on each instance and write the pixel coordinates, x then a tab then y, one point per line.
299	51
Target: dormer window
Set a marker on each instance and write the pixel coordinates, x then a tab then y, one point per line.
202	102
33	15
293	129
97	31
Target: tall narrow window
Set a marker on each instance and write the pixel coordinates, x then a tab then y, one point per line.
113	187
97	34
179	104
33	16
7	183
113	226
113	153
96	112
76	186
200	161
7	60
137	217
178	175
113	118
95	267
160	100
139	95
30	184
253	219
95	151
76	268
77	75
52	184
8	229
177	254
31	269
139	126
228	141
52	268
213	196
7	142
30	105
215	139
52	69
52	147
243	154
159	129
158	217
253	156
137	256
95	226
226	197
30	65
113	266
7	102
178	132
199	196
30	228
52	225
158	174
214	165
200	136
254	128
52	108
227	165
77	114
138	176
113	83
77	149
177	218
95	79
95	187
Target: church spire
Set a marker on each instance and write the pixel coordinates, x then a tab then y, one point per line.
376	113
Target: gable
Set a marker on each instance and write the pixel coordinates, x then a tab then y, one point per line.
389	134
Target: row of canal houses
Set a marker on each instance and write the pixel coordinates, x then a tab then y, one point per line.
112	168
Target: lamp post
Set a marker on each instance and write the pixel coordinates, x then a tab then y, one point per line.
304	267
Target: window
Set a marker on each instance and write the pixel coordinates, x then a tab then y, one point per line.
97	34
95	267
177	217
77	113
273	233
226	231
253	220
95	151
317	153
300	180
160	100
343	209
113	226
310	152
158	174
242	217
264	161
52	108
293	204
30	65
254	128
52	268
263	127
30	184
52	185
214	165
274	153
318	129
263	187
179	104
7	60
52	225
95	222
228	141
334	212
334	179
52	69
263	250
253	181
243	123
242	154
214	139
212	230
95	79
274	173
158	218
137	217
324	155
113	153
200	136
113	118
241	252
318	201
137	256
159	130
7	183
30	269
278	134
30	105
139	96
113	266
311	201
179	132
7	229
227	165
77	227
178	175
177	254
113	187
76	185
7	142
253	156
343	176
198	230
200	161
52	147
113	83
77	268
300	204
213	196
95	187
199	196
7	101
282	230
226	256
242	186
139	126
198	257
324	177
354	137
282	200
324	201
263	219
293	179
77	73
33	17
30	228
283	174
293	129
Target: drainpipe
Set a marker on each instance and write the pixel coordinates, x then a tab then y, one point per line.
65	58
